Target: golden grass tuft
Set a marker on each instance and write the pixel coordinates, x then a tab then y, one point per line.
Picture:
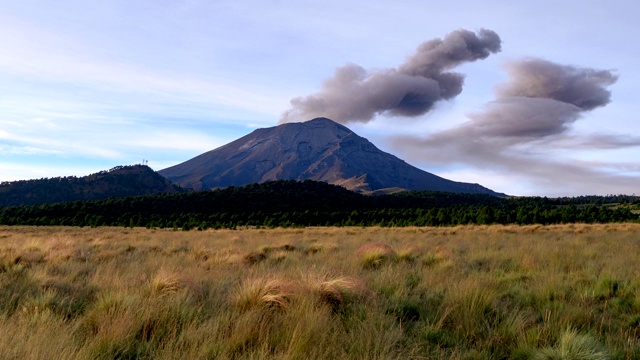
375	247
572	345
286	247
440	254
410	254
201	253
266	249
30	257
165	282
530	229
374	255
318	247
266	292
254	257
443	253
279	256
338	291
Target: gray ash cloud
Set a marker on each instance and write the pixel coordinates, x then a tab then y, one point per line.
530	119
411	89
536	78
540	99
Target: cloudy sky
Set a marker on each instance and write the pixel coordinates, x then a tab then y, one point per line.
526	98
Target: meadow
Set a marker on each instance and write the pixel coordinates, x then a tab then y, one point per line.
467	292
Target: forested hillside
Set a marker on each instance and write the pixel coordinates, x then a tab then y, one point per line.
120	181
309	203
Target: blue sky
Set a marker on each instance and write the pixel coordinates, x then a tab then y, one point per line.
88	85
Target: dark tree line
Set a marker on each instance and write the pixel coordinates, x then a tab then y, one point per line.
309	203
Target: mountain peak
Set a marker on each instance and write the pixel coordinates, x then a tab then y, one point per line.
323	122
319	149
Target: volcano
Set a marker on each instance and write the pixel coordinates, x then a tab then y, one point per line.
318	149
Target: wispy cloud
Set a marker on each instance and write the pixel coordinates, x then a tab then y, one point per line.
177	139
68	99
26	150
33	53
18	170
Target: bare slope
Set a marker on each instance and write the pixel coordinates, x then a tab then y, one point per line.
319	149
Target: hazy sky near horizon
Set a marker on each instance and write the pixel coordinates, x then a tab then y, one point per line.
89	85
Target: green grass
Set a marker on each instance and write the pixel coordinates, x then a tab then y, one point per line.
476	292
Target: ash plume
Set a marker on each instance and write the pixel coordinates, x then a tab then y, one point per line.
537	78
528	125
411	89
542	98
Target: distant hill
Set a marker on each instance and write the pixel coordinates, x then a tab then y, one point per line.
320	150
118	182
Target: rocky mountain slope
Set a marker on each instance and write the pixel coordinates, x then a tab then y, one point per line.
319	149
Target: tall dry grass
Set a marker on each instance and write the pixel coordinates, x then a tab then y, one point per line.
344	293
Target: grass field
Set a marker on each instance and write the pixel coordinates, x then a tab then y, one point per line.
490	292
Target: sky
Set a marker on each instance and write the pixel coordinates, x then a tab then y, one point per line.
526	98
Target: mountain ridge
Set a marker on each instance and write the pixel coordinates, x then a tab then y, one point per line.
120	181
319	149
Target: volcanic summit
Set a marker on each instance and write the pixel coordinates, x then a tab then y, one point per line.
318	149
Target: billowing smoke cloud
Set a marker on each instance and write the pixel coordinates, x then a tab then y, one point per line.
411	89
521	117
522	132
537	78
541	99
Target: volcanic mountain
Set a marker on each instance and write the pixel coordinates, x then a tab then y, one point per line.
319	149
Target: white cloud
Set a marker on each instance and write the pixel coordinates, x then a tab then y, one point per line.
12	171
26	150
174	140
44	56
